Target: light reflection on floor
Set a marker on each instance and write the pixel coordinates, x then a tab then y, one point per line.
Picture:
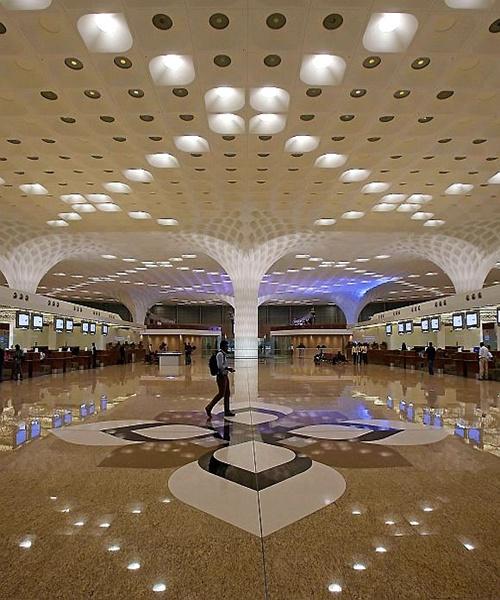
414	521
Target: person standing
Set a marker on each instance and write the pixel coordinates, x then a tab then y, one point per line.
188	351
224	391
430	351
364	353
94	355
354	353
484	356
17	359
2	357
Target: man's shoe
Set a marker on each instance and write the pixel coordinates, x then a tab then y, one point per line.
209	414
229	414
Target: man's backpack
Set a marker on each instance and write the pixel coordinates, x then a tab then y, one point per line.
212	365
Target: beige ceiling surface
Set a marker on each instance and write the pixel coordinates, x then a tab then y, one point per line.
248	188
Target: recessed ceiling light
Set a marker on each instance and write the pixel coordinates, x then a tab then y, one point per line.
322	69
272	60
48	95
172	69
390	32
117	187
401	94
346	118
123	62
357	93
302	143
371	62
434	223
269	99
162	22
408	208
109	207
93	94
162	160
70	216
359	567
382	256
375	187
140	175
495	26
383	207
3	29
495	178
57	223
330	161
139	215
159	587
73	63
191	143
105	32
425	119
444	94
421	62
276	21
334	588
386	118
84	208
136	93
324	222
219	21
35	189
353	214
354	175
167	222
332	21
222	60
422	216
459	189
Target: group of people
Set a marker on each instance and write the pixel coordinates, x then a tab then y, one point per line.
484	357
360	353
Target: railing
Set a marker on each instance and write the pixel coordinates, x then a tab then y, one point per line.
309	326
197	326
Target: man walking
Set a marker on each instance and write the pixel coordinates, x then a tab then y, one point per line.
484	356
222	382
431	355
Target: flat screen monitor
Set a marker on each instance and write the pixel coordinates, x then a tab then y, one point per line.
474	435
92	328
22	320
85	327
401	327
472	319
424	324
83	411
70	325
21	434
59	324
35	429
426	417
388	329
460	430
104	329
435	323
410	412
37	322
409	327
68	417
104	402
91	408
57	421
457	321
498	316
438	420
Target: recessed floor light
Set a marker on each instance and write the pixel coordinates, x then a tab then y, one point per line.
161	21
219	21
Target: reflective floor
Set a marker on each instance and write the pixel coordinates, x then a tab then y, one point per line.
329	482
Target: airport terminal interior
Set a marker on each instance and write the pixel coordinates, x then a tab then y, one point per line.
290	208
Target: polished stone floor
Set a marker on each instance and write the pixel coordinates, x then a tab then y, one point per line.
320	487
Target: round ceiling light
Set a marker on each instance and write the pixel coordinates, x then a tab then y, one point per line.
107	118
313	92
93	94
186	117
306	117
444	94
425	119
219	21
68	119
161	21
495	26
276	21
421	62
146	118
222	60
136	93
386	118
272	60
401	94
371	62
3	29
48	95
73	63
346	118
122	62
357	93
333	21
180	92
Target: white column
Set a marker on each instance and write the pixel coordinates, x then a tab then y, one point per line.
246	319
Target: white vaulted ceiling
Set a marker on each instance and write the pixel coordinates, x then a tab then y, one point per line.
139	129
